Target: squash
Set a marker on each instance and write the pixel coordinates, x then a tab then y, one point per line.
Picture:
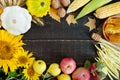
16	20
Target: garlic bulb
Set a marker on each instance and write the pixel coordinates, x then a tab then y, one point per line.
16	20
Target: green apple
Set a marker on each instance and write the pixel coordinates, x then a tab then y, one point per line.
39	66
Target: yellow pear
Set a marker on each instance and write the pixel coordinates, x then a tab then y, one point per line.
64	77
39	66
54	69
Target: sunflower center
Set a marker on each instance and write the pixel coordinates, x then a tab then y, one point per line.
42	4
22	59
30	71
5	50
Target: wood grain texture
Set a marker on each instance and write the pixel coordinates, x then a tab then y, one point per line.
57	40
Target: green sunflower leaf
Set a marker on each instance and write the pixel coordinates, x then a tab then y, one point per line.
23	78
12	74
0	70
1	79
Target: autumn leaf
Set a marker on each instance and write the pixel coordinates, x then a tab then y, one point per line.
70	19
91	24
54	14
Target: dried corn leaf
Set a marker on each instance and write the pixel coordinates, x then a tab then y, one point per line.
91	24
54	14
70	19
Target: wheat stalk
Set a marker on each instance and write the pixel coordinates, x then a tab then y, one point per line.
5	3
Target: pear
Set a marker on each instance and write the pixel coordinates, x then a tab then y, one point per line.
54	69
64	77
39	66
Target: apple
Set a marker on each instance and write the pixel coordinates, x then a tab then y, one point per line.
67	65
39	66
81	74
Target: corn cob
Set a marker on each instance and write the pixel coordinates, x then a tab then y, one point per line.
108	10
91	6
76	4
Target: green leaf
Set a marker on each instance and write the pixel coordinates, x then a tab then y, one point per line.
87	64
12	74
47	75
1	79
0	70
23	78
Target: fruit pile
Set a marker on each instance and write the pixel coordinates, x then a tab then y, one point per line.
68	70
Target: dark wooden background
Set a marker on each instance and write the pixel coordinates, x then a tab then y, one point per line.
57	40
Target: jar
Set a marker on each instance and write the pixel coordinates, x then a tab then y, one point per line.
111	29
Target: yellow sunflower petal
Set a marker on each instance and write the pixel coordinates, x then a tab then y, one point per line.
30	74
23	58
5	68
30	54
9	46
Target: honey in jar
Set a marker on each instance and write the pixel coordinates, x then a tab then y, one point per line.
112	29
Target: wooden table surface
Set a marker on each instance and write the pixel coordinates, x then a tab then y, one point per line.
56	40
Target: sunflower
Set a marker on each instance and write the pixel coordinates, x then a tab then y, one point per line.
30	74
9	46
24	59
38	8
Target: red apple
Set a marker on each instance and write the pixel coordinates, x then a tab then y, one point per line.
67	65
81	74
